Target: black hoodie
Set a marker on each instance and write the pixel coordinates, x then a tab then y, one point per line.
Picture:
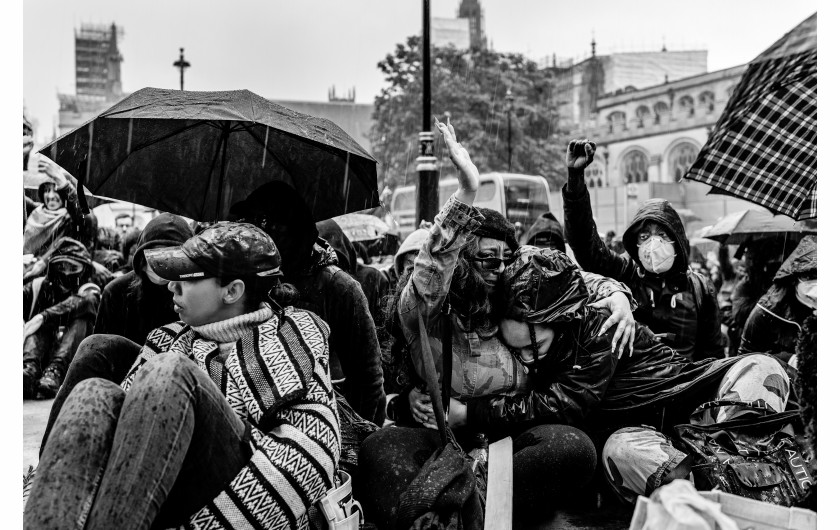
132	306
678	305
548	226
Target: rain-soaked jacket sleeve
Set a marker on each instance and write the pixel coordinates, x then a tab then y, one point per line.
435	264
582	235
564	393
601	287
83	305
710	339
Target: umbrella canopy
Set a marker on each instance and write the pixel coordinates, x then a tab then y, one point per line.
196	153
764	146
738	227
362	227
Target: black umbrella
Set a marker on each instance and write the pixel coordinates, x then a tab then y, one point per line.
196	153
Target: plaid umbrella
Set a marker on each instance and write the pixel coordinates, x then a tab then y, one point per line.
764	146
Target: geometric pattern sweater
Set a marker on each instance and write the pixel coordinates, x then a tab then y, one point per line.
276	378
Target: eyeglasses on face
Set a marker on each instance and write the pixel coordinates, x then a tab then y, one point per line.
493	263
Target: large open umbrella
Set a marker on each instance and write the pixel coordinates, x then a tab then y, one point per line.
738	227
196	153
764	146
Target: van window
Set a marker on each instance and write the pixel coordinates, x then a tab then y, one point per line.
525	200
486	192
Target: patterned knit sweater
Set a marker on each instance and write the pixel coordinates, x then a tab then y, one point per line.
275	377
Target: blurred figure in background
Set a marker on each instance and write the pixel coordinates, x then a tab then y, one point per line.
66	298
124	222
546	232
56	215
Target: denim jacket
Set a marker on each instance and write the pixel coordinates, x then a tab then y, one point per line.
480	366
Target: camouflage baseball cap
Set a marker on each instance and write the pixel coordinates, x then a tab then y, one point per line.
223	249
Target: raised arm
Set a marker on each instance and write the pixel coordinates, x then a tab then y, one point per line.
581	233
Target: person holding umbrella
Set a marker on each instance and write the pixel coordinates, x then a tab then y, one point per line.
677	304
227	418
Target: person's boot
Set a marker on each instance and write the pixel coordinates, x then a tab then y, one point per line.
30	378
50	382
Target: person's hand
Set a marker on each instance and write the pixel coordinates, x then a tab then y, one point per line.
53	171
36	270
457	413
33	325
468	173
621	316
420	405
580	154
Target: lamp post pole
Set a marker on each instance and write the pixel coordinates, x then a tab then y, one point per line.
427	168
509	109
182	65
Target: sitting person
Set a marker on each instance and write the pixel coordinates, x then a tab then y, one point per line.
310	265
455	287
107	250
65	297
132	306
775	322
227	419
546	232
674	302
577	380
56	215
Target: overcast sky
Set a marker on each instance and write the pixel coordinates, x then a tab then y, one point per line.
286	49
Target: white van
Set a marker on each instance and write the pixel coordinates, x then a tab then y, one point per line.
520	198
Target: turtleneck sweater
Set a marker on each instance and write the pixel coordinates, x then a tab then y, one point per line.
227	332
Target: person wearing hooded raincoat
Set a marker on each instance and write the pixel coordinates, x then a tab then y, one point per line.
67	298
578	380
311	265
677	304
774	324
132	306
545	232
373	283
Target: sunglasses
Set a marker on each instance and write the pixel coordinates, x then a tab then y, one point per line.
493	263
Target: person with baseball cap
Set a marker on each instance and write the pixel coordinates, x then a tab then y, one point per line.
227	417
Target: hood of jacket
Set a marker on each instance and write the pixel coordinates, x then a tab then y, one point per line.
338	240
660	211
802	261
414	242
165	230
546	225
543	286
67	248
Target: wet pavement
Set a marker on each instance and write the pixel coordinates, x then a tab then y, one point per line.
35	414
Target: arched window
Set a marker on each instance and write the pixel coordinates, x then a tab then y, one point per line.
680	159
617	121
642	113
595	175
634	167
660	110
686	104
707	101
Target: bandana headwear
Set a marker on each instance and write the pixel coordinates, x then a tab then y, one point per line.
496	226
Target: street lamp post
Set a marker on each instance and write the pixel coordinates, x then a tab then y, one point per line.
182	65
427	169
509	109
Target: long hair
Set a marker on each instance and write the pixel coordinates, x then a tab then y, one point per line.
478	308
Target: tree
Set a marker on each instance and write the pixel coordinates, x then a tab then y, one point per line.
470	87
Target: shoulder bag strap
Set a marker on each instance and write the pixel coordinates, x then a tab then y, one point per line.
446	330
432	381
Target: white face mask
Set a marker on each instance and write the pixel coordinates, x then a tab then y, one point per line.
657	255
806	292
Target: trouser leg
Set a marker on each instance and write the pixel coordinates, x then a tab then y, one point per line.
177	445
549	462
72	463
105	356
63	354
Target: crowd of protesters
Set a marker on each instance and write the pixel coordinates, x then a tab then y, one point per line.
268	356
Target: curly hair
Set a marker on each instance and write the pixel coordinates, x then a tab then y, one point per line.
478	307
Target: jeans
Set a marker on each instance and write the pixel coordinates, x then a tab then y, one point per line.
109	357
41	349
148	458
